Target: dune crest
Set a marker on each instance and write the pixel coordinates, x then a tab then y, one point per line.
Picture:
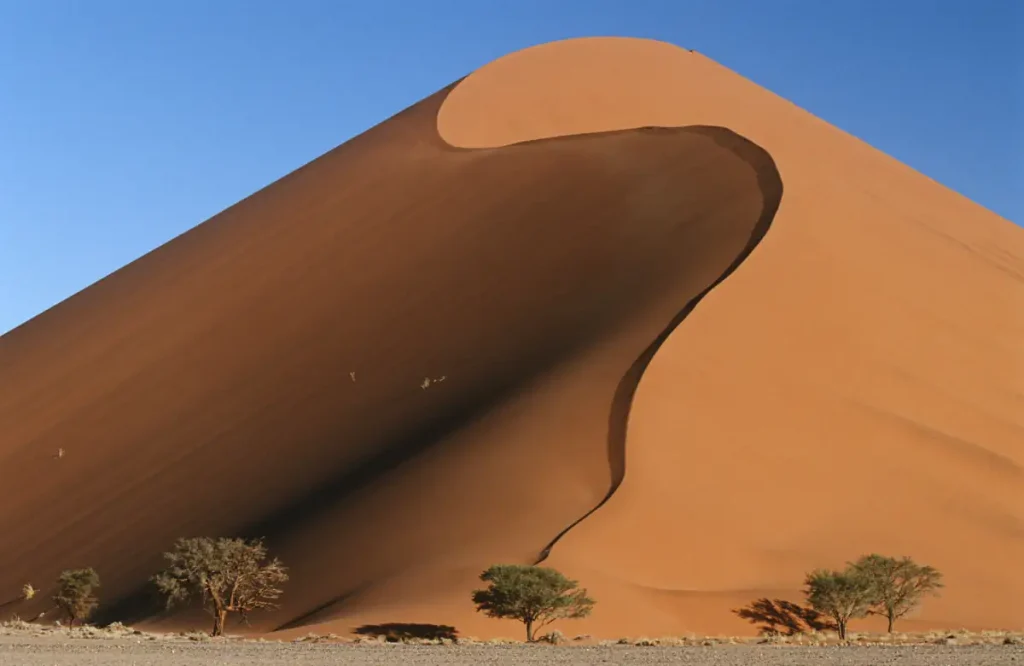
540	316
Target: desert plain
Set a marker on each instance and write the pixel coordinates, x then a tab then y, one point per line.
121	646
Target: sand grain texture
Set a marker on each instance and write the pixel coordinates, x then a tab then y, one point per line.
591	266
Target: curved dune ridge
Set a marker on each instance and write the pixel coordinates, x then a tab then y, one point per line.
540	316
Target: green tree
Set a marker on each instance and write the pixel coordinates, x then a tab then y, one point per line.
841	595
74	593
228	575
898	585
536	596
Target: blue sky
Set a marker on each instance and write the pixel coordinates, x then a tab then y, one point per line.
124	123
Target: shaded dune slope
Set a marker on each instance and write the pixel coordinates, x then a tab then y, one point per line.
400	362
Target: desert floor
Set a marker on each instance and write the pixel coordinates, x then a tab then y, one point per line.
57	650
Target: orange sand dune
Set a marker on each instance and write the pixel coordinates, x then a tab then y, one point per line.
450	339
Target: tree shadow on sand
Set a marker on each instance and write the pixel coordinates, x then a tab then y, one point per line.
397	632
778	616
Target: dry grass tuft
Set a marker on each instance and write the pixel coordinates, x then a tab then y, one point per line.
555	637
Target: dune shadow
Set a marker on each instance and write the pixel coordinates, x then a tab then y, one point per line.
397	632
8	604
769	182
12	602
778	616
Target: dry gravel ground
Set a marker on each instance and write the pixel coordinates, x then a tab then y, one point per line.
54	650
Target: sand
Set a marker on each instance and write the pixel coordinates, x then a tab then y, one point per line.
603	304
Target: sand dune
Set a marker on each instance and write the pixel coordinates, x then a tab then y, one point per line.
571	277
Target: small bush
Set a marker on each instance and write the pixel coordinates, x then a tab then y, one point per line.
74	594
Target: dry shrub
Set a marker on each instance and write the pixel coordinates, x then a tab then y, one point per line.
553	637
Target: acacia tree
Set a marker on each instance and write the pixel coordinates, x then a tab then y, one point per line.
536	596
842	595
74	593
898	585
228	575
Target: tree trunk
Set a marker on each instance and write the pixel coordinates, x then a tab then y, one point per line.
529	631
219	618
892	621
842	629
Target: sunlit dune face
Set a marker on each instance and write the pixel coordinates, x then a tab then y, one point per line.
577	86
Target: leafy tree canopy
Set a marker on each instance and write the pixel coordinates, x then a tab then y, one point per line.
898	585
841	595
536	596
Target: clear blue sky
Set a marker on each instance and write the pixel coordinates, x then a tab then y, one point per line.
124	123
